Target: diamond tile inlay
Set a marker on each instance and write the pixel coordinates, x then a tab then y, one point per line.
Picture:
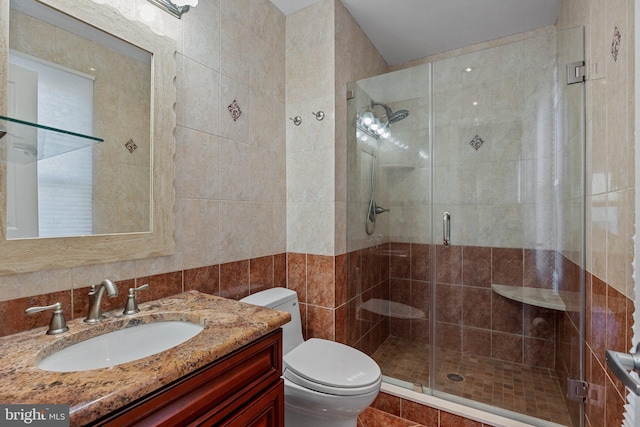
615	44
131	146
476	142
234	110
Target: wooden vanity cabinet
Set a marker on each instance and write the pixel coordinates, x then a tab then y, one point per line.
241	389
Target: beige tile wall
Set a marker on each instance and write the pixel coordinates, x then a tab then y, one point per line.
502	194
610	136
610	203
325	49
310	147
230	176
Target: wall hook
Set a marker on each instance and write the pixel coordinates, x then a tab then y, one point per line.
297	120
319	115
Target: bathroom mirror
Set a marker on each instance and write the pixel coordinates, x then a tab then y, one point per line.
127	73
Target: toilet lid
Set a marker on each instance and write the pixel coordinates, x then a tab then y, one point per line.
331	367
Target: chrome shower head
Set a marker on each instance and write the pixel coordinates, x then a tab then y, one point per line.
389	114
397	116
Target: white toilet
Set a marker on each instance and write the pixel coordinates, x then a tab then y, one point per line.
325	383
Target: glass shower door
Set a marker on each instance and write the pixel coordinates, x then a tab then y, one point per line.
465	231
388	230
507	190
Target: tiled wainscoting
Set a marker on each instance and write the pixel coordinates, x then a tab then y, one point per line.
470	317
474	319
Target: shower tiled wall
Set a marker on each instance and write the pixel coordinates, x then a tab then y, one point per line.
470	317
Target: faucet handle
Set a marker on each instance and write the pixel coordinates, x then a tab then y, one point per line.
132	305
58	324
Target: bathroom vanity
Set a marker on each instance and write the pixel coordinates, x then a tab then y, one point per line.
228	374
242	389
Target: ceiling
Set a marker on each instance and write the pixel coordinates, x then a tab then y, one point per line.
403	30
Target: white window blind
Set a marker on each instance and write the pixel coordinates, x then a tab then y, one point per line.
65	182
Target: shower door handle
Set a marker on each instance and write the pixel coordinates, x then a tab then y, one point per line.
446	229
620	363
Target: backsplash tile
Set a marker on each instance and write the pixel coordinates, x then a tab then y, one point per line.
160	286
234	279
13	316
231	279
203	279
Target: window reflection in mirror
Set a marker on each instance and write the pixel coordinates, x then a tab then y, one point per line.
71	76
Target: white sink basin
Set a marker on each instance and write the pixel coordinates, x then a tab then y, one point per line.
121	346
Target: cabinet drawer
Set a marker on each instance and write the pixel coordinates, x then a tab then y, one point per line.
217	390
266	411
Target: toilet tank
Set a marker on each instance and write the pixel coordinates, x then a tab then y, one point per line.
284	300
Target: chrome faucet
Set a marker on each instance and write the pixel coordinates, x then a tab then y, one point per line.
95	300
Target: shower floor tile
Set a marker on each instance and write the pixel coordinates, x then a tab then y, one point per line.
528	390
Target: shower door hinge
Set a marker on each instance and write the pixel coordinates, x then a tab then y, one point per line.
350	95
576	72
576	390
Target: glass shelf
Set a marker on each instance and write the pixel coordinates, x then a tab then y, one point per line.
29	142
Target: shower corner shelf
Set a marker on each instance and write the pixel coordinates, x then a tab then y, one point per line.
546	298
28	142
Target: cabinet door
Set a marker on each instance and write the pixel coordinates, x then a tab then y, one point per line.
266	411
213	394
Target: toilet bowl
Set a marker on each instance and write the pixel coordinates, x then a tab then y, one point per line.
325	383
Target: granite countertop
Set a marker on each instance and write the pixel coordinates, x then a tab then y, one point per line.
228	326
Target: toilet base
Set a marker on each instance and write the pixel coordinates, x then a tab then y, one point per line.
309	408
297	419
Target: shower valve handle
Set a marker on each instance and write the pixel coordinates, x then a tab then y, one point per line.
380	210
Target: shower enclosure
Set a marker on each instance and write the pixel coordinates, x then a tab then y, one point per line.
465	227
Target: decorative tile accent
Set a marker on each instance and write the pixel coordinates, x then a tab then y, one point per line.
615	43
131	146
234	110
476	142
